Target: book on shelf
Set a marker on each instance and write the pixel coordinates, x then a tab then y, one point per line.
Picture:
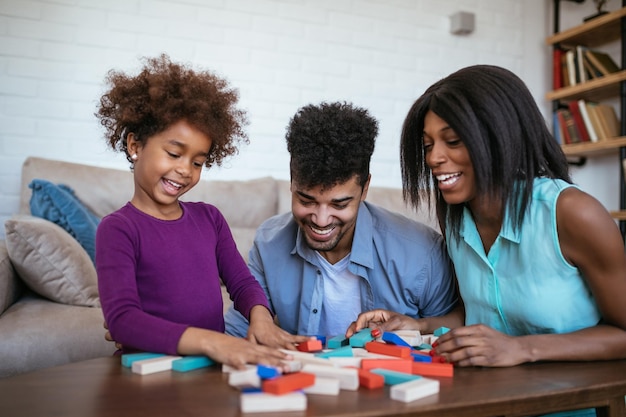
574	110
601	61
568	128
591	131
604	120
570	63
557	131
581	71
557	71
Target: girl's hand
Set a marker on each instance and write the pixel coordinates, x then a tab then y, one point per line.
263	331
238	352
480	345
385	320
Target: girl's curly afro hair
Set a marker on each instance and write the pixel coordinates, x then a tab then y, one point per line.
164	93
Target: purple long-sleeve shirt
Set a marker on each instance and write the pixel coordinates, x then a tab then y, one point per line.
158	277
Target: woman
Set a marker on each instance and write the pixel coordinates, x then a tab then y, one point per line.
540	264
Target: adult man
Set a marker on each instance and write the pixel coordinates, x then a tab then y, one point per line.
335	255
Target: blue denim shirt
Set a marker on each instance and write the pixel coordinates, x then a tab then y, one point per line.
403	266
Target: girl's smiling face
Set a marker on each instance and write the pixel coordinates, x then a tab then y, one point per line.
167	165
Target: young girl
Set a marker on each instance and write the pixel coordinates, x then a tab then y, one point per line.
160	260
540	264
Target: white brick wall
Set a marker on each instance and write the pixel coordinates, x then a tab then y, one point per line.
281	54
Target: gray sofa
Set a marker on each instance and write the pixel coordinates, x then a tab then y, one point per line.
49	308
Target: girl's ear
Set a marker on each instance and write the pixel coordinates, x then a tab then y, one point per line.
132	144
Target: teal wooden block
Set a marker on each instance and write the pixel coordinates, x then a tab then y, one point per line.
189	363
361	338
129	358
344	351
337	342
394	377
441	331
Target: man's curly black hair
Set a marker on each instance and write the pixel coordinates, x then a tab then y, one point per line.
330	143
164	93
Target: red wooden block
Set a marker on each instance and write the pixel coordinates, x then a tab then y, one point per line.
310	346
370	380
400	365
389	350
288	383
433	369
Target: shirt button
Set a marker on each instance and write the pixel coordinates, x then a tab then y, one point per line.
319	272
315	311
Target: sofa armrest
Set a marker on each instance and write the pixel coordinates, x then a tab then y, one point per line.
11	287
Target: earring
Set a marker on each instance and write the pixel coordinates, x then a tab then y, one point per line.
133	157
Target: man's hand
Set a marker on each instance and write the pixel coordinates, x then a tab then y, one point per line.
385	320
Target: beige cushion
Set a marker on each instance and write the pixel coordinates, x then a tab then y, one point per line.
51	262
10	286
243	203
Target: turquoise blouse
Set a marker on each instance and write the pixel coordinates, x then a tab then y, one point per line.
523	285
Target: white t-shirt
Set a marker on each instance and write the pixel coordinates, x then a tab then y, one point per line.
342	297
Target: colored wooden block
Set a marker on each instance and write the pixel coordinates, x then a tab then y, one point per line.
394	377
228	369
321	338
411	337
288	383
388	349
151	366
433	369
129	358
440	331
267	372
420	357
370	380
337	342
256	402
292	366
400	365
323	386
189	363
348	377
361	338
344	351
414	390
244	379
310	346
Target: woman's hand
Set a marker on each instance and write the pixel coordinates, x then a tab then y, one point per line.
480	345
385	320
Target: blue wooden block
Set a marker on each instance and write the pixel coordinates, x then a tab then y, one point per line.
267	372
129	358
337	342
344	351
395	339
394	377
321	339
361	338
441	331
418	357
189	363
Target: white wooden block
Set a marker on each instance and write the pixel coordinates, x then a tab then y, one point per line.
348	377
245	378
151	366
254	402
306	357
412	337
292	366
414	390
345	362
323	386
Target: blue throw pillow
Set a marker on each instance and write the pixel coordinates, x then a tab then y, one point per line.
59	204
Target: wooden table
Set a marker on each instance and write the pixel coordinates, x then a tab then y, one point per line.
103	388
